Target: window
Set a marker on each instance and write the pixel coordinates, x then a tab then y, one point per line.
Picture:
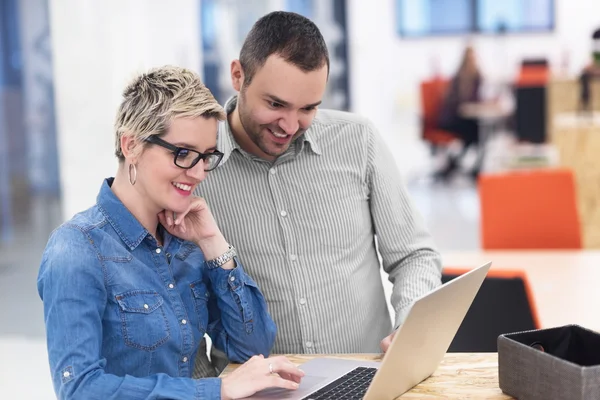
434	17
515	15
416	18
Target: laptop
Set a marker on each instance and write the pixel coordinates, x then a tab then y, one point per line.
414	354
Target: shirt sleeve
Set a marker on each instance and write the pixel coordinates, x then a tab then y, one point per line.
72	287
239	322
407	249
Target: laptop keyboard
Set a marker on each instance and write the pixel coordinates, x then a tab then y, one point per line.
351	386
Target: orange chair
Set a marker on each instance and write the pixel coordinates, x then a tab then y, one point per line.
533	209
504	304
432	97
533	76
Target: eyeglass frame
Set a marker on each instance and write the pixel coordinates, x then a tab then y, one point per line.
154	139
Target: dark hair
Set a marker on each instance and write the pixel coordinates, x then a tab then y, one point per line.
293	37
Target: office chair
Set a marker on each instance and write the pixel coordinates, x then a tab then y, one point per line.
432	97
534	209
504	304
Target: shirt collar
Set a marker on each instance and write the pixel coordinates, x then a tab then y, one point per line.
226	143
120	218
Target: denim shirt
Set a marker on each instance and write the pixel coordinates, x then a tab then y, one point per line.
125	317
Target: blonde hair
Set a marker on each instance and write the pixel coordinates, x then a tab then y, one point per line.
153	99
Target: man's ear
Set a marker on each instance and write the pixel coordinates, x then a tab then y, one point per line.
237	75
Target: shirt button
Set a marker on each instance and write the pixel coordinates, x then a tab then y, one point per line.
303	302
66	374
273	171
293	257
283	213
309	344
184	359
168	255
183	321
157	251
146	306
171	286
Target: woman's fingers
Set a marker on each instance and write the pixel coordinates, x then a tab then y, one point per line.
197	205
277	381
290	377
280	360
166	218
163	219
177	218
290	369
286	369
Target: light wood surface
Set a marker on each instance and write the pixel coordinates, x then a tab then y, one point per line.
562	96
565	284
577	140
459	376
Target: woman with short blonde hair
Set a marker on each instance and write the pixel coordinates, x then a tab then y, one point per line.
131	285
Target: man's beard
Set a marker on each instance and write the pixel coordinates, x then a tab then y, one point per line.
257	134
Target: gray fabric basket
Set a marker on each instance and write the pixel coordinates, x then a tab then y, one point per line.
568	367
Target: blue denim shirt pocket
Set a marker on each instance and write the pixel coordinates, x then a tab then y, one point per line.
144	323
201	295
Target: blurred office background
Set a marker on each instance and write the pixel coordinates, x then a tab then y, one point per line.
63	64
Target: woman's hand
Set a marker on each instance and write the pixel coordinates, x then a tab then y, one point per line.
197	225
260	373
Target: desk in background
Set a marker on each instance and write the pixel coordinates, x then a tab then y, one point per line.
564	283
491	117
459	376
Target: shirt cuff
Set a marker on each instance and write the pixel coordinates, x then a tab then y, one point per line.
401	316
229	278
208	389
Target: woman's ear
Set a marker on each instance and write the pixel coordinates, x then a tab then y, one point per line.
130	148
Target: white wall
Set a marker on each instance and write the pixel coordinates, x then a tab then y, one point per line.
386	69
98	46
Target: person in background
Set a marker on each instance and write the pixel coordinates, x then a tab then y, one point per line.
464	89
313	198
131	285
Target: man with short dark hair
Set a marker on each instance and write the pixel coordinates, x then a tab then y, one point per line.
303	194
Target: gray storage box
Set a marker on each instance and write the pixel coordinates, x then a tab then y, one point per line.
556	363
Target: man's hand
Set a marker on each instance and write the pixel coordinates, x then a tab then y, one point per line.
387	341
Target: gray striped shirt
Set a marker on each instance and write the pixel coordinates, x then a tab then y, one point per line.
305	228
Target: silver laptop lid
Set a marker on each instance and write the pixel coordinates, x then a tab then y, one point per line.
423	339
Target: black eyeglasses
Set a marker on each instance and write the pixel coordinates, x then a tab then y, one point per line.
187	158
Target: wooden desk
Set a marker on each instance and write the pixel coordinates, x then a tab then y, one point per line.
484	111
564	283
459	376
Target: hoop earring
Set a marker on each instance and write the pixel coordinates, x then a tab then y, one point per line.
134	179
